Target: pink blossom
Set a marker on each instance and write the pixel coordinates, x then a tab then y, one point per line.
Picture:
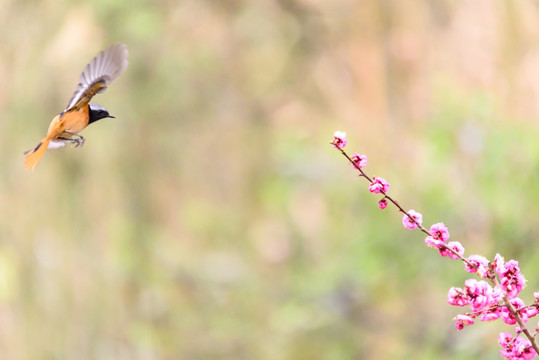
511	279
456	296
491	314
439	231
525	349
339	140
506	341
359	160
479	293
521	308
536	296
432	242
408	223
382	203
496	295
507	317
379	185
480	263
498	263
454	245
462	321
532	311
444	251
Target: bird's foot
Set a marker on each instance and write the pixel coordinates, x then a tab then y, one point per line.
79	141
76	141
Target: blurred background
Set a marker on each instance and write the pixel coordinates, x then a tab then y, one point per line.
212	219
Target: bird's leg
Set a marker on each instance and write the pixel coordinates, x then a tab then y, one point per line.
74	142
78	142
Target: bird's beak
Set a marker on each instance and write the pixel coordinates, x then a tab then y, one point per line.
111	116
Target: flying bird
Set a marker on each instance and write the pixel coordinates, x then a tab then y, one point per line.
79	113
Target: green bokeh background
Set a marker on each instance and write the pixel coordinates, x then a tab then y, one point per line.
212	220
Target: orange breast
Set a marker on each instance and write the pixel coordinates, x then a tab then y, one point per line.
71	121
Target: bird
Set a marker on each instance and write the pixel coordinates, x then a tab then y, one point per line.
79	113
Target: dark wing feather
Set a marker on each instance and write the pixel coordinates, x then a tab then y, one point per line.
101	71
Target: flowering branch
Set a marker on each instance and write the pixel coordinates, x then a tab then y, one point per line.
487	302
412	216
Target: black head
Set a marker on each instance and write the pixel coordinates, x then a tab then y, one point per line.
97	113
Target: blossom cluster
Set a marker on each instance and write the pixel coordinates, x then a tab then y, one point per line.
516	348
487	301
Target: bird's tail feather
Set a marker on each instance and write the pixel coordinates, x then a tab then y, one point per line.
34	156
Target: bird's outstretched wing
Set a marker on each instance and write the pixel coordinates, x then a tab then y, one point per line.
101	71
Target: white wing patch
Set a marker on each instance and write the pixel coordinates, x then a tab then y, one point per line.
105	67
